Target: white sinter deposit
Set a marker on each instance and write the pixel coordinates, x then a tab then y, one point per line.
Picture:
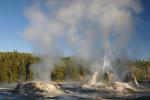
108	81
117	86
39	88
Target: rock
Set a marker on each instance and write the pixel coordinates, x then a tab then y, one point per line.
122	87
93	80
39	88
130	77
109	76
110	86
108	83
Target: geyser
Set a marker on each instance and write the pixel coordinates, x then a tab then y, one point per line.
87	29
39	88
109	82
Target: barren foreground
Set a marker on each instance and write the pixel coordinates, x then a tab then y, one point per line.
67	91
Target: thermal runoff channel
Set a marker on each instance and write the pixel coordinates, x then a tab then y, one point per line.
96	31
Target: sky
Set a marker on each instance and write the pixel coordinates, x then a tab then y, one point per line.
13	23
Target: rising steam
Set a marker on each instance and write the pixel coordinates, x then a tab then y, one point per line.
88	29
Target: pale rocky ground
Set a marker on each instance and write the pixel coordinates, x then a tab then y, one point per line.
94	89
89	90
114	86
39	88
108	82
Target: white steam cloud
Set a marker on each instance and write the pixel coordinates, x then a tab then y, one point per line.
89	29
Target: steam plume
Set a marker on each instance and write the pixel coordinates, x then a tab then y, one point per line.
89	29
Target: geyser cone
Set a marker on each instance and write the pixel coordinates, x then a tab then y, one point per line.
93	81
39	88
107	81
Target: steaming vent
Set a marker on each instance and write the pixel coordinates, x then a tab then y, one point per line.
39	88
106	80
84	30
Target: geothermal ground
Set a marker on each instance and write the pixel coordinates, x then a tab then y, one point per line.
37	90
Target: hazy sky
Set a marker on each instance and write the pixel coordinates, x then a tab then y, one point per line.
13	23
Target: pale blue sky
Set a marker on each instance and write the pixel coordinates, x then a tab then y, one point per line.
13	22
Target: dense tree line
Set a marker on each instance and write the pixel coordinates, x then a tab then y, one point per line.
69	70
141	69
15	66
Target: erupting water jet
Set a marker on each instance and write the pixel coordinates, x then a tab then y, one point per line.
108	81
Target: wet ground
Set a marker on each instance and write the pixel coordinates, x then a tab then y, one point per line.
74	92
